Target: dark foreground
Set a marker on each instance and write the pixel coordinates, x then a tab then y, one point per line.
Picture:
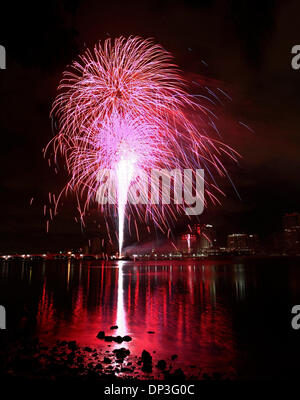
30	359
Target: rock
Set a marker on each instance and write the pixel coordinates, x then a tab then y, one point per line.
114	327
176	376
147	367
101	335
217	375
161	364
107	360
72	345
147	361
179	373
118	339
88	349
151	332
124	369
174	356
71	357
146	357
98	366
121	353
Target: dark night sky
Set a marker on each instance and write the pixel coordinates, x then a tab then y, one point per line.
247	48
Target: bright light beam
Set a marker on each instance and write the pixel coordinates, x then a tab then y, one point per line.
121	315
125	171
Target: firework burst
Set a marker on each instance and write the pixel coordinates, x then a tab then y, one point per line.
125	107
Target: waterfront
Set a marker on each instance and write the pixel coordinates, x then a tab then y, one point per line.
227	316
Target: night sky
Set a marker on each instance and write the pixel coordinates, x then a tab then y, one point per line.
243	47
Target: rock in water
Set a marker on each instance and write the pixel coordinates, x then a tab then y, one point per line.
161	364
101	335
147	361
146	357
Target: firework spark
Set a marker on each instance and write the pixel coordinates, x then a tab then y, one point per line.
125	107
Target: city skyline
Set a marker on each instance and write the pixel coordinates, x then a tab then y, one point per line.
196	239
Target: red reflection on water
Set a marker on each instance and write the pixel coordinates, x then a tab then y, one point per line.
180	302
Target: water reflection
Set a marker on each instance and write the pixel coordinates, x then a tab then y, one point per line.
198	310
121	316
240	282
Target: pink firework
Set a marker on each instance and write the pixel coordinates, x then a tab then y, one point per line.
125	107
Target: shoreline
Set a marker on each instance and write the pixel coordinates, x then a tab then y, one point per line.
30	359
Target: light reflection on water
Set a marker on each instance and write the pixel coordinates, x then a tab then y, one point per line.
210	313
121	313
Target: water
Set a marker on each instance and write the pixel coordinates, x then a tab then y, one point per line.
232	316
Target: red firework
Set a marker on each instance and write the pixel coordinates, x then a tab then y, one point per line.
124	107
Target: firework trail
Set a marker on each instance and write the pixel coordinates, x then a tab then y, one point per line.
124	107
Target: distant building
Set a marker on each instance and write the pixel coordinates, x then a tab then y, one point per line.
253	242
187	243
242	242
196	229
208	237
291	233
198	239
291	220
237	241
